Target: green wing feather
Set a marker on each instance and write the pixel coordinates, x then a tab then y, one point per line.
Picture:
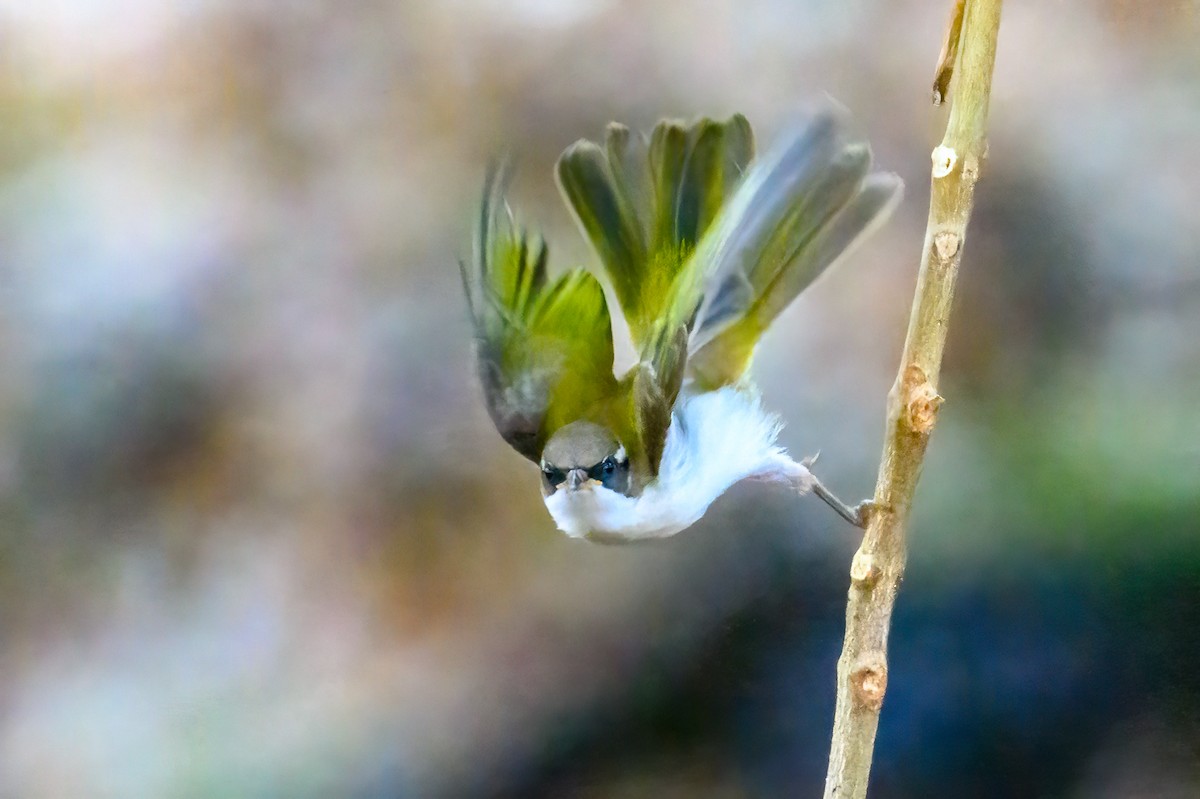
796	213
544	347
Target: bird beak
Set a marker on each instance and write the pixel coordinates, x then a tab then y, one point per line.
576	478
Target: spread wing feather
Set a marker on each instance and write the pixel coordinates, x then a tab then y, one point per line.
703	249
544	347
797	212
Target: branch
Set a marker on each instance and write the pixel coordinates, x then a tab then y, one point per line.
913	402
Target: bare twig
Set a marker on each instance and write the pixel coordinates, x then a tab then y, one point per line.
913	402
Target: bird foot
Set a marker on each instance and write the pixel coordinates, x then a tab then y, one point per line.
857	515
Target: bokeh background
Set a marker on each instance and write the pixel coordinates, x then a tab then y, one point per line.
258	538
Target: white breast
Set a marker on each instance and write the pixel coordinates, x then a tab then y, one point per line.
715	440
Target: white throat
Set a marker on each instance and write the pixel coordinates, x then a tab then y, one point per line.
715	440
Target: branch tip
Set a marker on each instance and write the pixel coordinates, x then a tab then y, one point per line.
949	54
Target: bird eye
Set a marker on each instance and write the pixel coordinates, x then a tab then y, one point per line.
610	465
552	475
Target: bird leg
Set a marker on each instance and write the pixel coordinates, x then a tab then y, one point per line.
780	468
856	515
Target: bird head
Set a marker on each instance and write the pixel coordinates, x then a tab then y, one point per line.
583	456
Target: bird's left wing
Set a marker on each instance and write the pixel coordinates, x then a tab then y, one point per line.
544	347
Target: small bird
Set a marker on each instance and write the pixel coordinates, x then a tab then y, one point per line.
703	246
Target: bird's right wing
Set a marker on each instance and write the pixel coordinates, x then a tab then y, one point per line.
544	347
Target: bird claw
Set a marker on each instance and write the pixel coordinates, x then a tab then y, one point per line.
863	511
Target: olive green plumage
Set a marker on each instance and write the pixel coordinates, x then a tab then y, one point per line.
703	247
645	204
544	346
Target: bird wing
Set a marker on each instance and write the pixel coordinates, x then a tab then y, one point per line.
644	206
796	213
544	347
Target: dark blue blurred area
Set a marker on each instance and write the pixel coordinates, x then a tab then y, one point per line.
1005	682
259	538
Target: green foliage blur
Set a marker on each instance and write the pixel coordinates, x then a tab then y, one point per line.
258	537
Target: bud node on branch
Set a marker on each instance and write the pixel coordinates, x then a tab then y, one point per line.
946	244
944	160
922	401
869	681
863	569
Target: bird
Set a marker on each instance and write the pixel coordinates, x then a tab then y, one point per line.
703	245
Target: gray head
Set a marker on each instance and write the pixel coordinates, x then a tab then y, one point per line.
583	455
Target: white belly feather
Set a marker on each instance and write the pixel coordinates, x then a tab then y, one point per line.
715	440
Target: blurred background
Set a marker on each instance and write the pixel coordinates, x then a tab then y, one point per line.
258	537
